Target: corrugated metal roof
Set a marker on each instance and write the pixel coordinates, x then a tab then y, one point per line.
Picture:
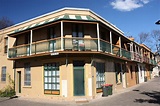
66	16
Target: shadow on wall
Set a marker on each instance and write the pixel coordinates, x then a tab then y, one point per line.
154	95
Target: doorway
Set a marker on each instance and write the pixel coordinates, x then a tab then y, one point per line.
78	75
19	81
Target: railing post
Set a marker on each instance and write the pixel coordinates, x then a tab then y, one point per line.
111	42
8	48
120	46
62	48
98	37
30	42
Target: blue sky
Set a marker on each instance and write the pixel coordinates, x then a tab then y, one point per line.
131	16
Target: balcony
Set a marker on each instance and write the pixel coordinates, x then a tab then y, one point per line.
146	59
69	44
136	56
152	61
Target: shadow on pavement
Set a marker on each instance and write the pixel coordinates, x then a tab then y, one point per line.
3	99
154	95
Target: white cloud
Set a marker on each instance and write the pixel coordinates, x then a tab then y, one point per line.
128	5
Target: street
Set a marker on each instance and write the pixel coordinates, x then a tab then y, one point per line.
145	94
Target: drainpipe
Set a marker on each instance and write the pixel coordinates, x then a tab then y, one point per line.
14	62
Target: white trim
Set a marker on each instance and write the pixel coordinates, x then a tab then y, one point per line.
62	48
120	46
98	37
84	17
72	17
66	8
31	33
111	41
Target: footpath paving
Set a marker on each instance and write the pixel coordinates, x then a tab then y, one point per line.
144	94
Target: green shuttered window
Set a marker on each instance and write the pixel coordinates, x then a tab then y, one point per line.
51	78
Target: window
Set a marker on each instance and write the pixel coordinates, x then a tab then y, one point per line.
5	45
51	33
131	70
118	73
27	38
77	30
51	78
100	74
27	74
3	74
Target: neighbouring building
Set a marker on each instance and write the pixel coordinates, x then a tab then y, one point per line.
71	53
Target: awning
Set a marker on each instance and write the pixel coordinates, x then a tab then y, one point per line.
66	16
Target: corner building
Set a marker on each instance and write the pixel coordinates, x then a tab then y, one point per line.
69	53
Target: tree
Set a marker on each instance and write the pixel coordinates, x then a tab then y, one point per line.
5	22
143	37
152	39
155	38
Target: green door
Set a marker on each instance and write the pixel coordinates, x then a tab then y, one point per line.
78	78
19	82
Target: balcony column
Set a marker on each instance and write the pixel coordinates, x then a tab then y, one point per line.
135	54
31	34
141	55
131	50
62	48
8	48
111	42
120	46
98	37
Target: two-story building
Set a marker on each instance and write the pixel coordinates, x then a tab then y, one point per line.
69	53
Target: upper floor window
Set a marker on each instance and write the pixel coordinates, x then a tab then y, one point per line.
5	45
27	38
77	30
51	33
3	74
27	74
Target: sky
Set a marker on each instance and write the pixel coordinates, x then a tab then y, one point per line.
130	16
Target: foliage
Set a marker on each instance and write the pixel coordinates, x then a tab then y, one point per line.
152	39
5	22
8	91
143	37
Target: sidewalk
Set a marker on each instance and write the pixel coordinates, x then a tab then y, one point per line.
143	94
132	96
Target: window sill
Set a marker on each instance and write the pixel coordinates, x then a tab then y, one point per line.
3	82
27	86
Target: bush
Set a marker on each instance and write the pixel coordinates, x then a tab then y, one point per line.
8	91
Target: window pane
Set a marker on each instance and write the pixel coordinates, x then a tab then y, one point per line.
3	74
100	74
27	74
52	80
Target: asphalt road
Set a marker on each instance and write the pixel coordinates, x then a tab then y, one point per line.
145	94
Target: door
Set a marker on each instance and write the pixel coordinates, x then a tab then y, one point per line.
137	76
123	70
78	78
19	82
52	35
